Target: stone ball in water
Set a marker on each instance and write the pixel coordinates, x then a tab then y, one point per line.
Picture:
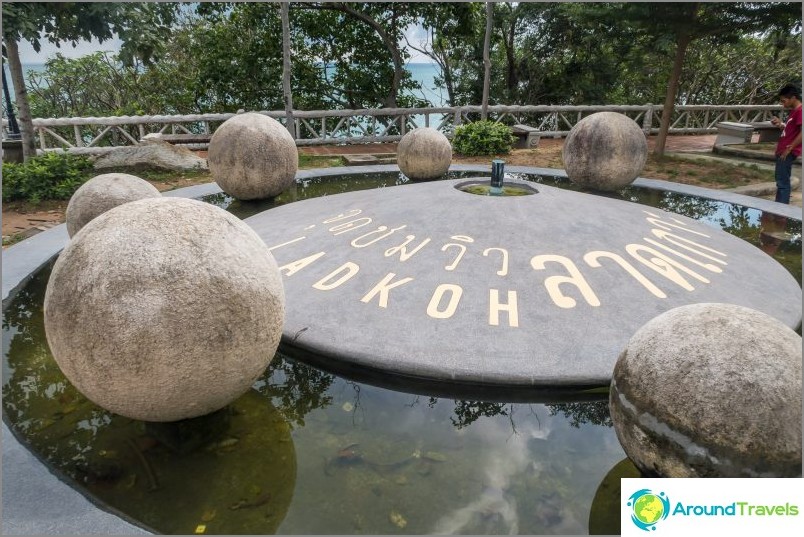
423	154
104	192
252	156
605	151
164	309
710	390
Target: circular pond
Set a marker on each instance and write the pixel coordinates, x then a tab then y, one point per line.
310	452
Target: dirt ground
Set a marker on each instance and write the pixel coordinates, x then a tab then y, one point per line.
21	220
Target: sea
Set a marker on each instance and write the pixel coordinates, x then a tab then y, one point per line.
424	73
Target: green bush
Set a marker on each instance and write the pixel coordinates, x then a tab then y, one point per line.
45	177
482	138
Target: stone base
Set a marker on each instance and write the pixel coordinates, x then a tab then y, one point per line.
12	151
367	160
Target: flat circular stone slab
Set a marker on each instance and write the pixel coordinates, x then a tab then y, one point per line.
432	290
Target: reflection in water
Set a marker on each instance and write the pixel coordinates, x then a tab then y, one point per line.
604	516
308	452
580	413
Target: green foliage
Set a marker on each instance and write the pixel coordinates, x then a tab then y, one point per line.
221	57
482	138
143	27
49	176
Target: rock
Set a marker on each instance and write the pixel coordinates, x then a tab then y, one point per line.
104	192
151	154
710	390
424	153
252	156
605	151
164	309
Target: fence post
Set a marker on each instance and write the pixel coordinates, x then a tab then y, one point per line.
647	121
78	141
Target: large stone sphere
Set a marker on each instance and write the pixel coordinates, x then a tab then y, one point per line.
710	390
104	192
605	151
164	309
252	156
424	154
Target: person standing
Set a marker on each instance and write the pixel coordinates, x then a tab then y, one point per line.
789	146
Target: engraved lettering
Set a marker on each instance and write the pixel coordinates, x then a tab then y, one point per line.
326	283
663	265
455	297
495	307
343	216
297	239
707	266
462	238
458	258
592	259
575	278
404	254
383	232
504	270
658	222
292	268
383	288
348	226
693	246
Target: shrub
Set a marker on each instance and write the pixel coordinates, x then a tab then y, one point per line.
49	176
482	138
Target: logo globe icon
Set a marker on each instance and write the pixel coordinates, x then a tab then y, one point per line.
648	508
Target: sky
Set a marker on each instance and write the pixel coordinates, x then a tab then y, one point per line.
28	55
415	35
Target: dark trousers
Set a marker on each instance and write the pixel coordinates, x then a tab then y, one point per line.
784	166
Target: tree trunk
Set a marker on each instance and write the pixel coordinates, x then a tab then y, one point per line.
388	40
487	61
448	81
288	96
21	96
512	80
682	42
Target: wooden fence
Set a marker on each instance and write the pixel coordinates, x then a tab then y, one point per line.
319	127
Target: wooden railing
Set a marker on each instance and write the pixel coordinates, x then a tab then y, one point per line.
319	127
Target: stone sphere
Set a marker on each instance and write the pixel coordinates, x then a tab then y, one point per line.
164	309
104	192
424	154
710	390
605	151
252	156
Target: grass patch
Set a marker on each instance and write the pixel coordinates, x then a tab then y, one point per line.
319	161
27	207
710	173
13	239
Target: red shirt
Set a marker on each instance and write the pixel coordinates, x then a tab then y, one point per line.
791	130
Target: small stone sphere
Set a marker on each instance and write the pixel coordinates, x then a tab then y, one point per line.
605	151
164	309
104	192
710	390
424	154
252	156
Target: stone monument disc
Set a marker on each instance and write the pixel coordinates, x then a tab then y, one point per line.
430	289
